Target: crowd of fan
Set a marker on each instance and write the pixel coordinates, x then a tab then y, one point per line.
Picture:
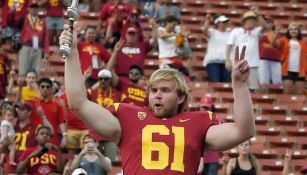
112	55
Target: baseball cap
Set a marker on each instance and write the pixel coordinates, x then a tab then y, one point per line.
132	29
79	171
303	169
293	25
24	105
104	73
206	101
248	15
221	18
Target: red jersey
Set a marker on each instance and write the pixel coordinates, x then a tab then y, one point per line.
266	49
40	166
33	28
132	94
4	67
123	11
73	121
24	138
129	56
89	53
53	112
105	99
54	8
151	145
17	16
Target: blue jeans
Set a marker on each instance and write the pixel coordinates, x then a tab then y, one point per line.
210	169
217	72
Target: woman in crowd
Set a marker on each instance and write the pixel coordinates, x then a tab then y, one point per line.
26	90
246	163
293	59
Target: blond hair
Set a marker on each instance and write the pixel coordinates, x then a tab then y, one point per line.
181	86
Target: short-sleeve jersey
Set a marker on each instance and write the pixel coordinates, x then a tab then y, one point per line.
54	113
24	138
160	146
132	94
40	166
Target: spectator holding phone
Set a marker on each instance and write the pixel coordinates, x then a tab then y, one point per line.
46	158
91	159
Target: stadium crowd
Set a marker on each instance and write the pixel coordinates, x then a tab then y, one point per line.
40	134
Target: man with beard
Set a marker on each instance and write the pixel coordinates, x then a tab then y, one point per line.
163	138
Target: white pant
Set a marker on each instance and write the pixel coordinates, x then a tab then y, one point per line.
269	70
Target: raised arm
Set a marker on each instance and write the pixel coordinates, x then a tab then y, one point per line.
96	117
207	24
261	19
112	61
243	127
228	63
154	31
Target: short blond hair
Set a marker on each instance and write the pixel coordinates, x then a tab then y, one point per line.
181	86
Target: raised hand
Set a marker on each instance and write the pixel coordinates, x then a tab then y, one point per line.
240	71
119	45
68	36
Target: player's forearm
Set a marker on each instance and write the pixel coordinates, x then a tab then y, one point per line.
74	85
243	111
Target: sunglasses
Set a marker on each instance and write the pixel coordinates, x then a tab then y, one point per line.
134	73
105	79
45	87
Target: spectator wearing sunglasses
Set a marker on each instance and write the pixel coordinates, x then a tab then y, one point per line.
52	110
132	91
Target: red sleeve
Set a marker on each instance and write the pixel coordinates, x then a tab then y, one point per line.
105	55
103	12
46	39
61	113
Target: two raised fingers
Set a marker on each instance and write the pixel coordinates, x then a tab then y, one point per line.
242	55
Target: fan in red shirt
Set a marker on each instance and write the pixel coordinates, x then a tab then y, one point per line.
25	133
132	92
44	159
52	110
34	41
54	18
13	13
161	139
103	93
130	51
92	55
118	8
134	21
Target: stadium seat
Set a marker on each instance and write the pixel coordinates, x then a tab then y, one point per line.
268	130
280	141
263	98
220	87
272	109
295	131
284	120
